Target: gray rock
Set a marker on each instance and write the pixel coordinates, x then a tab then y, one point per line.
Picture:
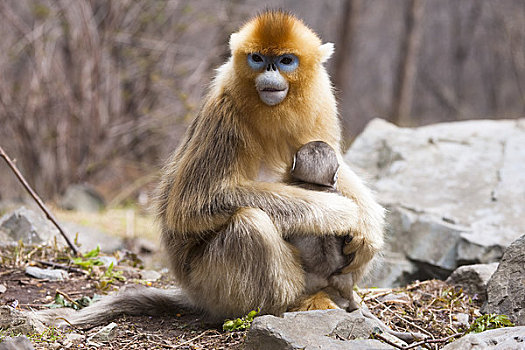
150	275
3	288
105	334
90	237
327	329
108	260
16	343
506	288
82	197
34	228
455	190
473	278
17	322
28	226
511	338
47	274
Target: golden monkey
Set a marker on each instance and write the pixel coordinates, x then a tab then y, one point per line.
224	205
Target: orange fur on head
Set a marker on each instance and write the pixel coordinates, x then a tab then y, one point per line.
310	100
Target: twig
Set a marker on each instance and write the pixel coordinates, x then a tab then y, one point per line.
68	298
379	336
60	266
414	325
413	345
192	339
37	199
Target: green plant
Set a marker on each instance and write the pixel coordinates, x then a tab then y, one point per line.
240	324
77	304
50	335
88	260
109	277
489	321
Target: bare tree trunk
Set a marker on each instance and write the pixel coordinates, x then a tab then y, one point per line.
408	59
349	18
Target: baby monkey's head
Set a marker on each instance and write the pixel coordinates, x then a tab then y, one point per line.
316	163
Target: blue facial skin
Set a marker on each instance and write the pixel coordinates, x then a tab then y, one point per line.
285	63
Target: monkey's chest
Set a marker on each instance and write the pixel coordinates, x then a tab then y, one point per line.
269	174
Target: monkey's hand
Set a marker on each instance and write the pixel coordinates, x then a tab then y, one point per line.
367	235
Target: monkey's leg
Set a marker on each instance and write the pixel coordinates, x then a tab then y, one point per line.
246	266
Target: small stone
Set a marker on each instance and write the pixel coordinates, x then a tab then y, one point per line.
16	343
509	338
393	298
18	322
82	197
74	337
105	334
2	288
47	274
473	278
108	260
150	275
462	319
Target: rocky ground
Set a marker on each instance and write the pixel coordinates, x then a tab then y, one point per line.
435	308
455	198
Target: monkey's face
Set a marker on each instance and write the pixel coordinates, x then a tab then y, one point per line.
270	84
276	61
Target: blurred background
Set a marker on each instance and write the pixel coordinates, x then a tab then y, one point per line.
100	92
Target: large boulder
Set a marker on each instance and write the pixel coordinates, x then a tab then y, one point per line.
454	191
506	288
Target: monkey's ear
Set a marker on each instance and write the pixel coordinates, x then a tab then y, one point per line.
234	41
326	51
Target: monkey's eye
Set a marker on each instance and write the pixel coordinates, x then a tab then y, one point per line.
288	62
256	58
256	61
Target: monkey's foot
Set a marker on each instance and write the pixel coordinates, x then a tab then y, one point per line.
317	301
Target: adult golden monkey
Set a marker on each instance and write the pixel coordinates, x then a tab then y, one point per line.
224	208
224	228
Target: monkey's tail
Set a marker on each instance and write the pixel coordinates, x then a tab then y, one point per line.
137	301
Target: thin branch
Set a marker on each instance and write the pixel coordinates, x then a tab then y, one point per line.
414	345
37	199
60	266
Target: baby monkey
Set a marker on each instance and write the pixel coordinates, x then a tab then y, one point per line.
315	167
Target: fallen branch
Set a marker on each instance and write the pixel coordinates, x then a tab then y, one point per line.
37	199
60	266
414	345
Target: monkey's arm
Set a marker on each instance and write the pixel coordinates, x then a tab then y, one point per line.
292	210
368	233
298	211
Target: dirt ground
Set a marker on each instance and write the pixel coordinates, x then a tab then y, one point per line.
430	307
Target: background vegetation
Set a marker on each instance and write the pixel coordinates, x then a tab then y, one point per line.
101	91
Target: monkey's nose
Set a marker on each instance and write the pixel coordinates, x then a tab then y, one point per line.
271	67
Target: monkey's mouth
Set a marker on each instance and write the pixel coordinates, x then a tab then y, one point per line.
272	90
